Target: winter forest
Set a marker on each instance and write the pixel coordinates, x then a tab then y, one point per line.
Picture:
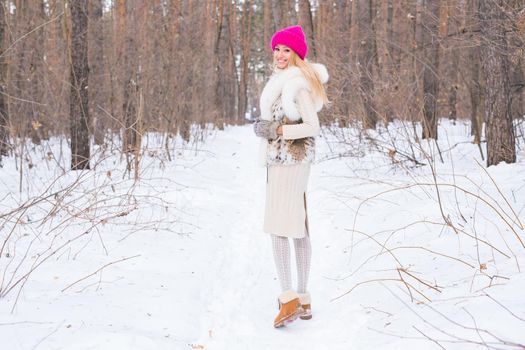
132	201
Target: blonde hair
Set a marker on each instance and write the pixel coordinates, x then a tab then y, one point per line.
311	76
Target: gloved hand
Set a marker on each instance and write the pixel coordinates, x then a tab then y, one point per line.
266	129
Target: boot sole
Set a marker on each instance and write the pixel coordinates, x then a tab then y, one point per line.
307	314
289	319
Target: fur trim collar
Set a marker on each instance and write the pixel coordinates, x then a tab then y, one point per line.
287	83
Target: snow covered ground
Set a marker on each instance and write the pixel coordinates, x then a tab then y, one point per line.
402	259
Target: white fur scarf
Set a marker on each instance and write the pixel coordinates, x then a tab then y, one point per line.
287	84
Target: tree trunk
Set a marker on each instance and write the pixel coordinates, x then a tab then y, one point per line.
35	79
517	50
453	88
343	17
414	42
132	78
277	14
245	57
267	28
430	43
323	25
306	21
96	70
78	106
365	61
518	87
392	49
4	116
226	79
473	81
451	24
495	64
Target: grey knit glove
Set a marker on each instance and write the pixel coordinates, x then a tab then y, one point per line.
266	129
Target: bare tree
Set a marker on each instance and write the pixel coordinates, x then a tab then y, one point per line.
226	78
78	107
449	30
96	70
4	116
245	34
267	25
495	64
365	60
474	83
130	12
36	74
306	21
343	13
279	18
516	30
429	24
517	82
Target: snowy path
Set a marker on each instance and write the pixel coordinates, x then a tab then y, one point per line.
241	302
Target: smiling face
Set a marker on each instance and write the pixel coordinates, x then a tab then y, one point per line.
281	56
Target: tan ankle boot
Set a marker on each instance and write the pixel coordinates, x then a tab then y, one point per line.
306	304
289	310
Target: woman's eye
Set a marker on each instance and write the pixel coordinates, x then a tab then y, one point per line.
287	50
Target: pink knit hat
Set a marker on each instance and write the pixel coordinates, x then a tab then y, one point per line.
294	38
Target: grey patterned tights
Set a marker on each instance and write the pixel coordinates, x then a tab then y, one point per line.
281	255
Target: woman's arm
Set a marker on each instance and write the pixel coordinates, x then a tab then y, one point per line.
310	124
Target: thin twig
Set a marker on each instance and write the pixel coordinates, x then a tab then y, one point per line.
98	270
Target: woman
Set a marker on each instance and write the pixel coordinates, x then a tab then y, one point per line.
288	124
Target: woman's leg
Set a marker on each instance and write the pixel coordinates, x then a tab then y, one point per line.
289	303
303	255
281	255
